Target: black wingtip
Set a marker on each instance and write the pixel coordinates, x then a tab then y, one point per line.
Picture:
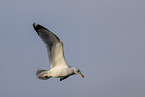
35	26
38	27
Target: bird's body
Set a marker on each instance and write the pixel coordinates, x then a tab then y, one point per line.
58	65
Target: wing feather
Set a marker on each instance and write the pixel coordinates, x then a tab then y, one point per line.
54	46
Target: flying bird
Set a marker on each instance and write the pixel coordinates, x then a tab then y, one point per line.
58	65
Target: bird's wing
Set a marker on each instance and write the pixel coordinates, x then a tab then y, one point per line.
54	46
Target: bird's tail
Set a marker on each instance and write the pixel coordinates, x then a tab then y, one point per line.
42	74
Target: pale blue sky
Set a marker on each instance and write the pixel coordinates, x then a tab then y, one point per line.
105	39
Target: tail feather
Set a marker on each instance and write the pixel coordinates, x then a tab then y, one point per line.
42	74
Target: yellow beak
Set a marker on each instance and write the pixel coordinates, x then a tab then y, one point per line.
81	75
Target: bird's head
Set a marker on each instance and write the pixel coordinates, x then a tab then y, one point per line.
78	72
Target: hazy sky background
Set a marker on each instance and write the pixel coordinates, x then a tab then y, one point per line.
105	39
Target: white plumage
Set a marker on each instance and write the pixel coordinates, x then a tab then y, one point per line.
58	66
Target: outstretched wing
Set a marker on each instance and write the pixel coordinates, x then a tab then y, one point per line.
53	44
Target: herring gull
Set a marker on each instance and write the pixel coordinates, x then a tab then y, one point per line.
58	65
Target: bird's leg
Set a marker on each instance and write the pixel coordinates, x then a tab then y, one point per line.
62	78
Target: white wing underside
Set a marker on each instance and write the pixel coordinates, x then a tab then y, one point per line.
56	55
54	46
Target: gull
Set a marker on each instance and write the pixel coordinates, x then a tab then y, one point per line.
58	65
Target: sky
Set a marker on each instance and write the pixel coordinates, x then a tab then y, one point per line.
105	39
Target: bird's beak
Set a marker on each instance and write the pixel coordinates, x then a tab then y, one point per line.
81	75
